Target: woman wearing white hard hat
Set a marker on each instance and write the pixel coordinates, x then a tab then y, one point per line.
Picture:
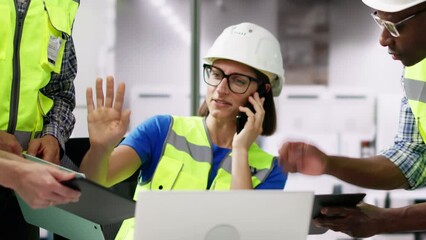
243	66
256	48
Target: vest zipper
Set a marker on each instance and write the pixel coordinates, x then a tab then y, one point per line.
16	79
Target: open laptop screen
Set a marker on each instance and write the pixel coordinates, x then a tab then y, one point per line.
231	215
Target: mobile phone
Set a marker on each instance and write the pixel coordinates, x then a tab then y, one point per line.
242	116
242	119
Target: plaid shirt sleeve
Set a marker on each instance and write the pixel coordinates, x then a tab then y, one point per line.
60	120
409	150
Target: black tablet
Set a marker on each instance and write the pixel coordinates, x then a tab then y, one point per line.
98	204
332	200
97	207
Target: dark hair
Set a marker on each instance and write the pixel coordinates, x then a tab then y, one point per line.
270	121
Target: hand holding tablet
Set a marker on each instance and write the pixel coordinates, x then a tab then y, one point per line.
97	206
332	200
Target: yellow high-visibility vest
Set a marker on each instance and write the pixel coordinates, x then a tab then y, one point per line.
31	48
415	90
186	163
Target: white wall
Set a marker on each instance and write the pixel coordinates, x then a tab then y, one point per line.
356	57
149	51
216	15
357	60
94	36
94	39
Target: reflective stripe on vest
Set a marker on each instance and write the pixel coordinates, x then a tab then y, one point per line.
186	163
24	62
415	90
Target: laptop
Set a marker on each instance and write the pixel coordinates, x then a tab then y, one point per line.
218	215
97	207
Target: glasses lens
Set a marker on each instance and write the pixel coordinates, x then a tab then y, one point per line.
391	28
238	83
212	76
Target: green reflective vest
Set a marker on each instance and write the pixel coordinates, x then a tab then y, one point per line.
186	163
31	48
415	90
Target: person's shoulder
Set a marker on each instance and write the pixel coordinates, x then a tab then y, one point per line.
152	126
156	119
163	117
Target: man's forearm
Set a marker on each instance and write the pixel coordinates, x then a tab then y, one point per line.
60	130
60	120
406	219
376	172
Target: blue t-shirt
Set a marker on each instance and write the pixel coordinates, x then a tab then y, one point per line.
148	140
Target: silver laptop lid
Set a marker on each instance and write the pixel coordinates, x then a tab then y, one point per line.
231	215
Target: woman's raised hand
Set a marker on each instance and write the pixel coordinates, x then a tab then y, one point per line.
107	122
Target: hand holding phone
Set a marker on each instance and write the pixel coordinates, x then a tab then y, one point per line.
242	116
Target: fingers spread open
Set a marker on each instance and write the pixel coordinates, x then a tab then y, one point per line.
119	98
89	100
109	91
99	93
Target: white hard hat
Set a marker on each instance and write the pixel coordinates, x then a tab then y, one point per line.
392	5
251	45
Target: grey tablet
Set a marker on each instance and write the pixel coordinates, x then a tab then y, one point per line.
332	200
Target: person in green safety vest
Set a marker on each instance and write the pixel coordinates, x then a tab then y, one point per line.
244	65
403	165
37	70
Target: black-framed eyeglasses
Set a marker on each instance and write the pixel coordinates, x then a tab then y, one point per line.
390	26
237	82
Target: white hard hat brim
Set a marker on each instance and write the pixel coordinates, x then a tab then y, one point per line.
391	5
